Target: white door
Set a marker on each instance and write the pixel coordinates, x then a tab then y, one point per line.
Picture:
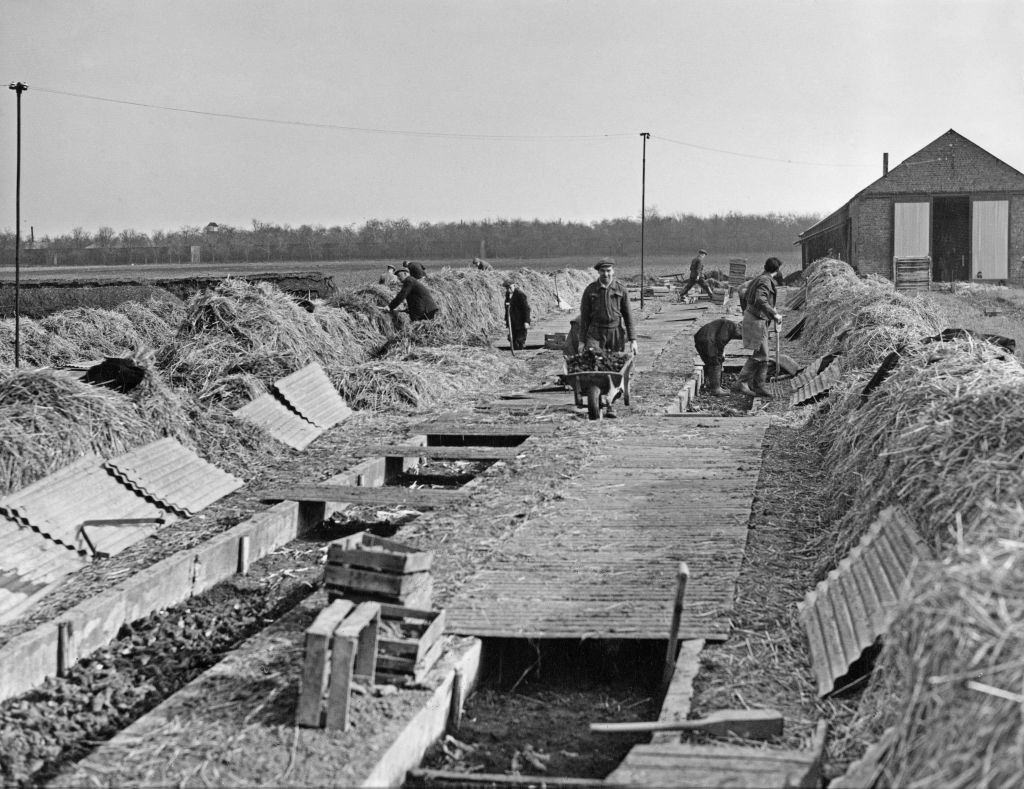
990	252
911	230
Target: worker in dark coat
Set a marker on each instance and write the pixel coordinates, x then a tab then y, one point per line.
697	276
758	314
517	315
414	293
418	270
711	340
606	322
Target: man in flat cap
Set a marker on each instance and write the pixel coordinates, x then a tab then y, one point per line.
604	312
388	277
697	276
414	293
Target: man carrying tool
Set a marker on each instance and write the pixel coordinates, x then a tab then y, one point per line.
517	315
758	314
711	340
414	293
697	276
606	323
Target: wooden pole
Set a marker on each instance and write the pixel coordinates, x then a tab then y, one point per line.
18	88
643	210
677	614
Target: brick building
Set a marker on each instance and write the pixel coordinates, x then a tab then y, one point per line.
952	201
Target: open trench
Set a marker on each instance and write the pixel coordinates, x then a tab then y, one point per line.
535	698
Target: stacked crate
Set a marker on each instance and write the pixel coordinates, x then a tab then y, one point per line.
409	644
366	567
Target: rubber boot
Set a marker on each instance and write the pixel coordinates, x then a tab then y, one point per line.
760	376
746	376
714	383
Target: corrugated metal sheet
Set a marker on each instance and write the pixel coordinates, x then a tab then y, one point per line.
808	374
286	426
818	385
30	565
603	562
56	506
310	392
854	605
173	476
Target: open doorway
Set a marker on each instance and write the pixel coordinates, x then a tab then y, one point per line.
951	239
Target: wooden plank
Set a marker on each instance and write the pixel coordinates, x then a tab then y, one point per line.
367	581
439	453
364	622
315	666
484	428
393	495
424	777
378	553
343	652
676	705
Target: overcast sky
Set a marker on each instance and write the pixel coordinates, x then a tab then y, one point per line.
799	100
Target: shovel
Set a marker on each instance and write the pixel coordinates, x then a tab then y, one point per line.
749	724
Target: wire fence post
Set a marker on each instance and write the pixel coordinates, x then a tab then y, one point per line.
18	88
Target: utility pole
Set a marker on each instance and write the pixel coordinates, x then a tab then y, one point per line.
643	211
18	88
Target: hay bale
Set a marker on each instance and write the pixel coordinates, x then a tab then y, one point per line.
49	419
950	677
94	332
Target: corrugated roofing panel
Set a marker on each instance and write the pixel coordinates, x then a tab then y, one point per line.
808	374
56	506
310	392
30	565
818	385
848	611
173	475
286	426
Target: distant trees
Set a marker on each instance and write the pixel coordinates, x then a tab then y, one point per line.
681	234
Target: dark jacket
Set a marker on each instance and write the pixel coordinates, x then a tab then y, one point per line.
717	334
606	308
416	269
760	297
517	308
696	267
415	294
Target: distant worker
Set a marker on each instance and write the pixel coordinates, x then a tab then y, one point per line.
697	276
419	302
481	265
388	277
711	340
416	269
517	315
758	314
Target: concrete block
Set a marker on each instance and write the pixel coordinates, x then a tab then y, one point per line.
272	528
28	659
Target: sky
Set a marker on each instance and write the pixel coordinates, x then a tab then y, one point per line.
447	110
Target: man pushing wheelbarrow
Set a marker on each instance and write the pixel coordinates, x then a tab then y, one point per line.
606	323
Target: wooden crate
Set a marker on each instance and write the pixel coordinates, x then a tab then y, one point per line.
343	578
421	597
409	643
364	566
378	553
554	342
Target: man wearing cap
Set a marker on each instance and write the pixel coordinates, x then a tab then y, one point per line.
604	313
758	314
414	293
711	340
697	275
481	265
388	277
517	315
417	270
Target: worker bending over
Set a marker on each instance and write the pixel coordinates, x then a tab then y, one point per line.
711	340
758	314
414	293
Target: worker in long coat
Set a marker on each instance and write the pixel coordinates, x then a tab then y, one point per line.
517	315
758	314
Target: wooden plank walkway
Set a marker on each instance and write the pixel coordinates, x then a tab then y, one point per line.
603	564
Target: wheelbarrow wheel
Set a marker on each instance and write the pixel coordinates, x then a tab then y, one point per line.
594	402
625	392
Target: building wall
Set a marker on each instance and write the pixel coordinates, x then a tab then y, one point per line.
1017	239
872	235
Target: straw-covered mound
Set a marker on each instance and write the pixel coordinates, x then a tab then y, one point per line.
96	333
37	347
48	420
153	322
950	677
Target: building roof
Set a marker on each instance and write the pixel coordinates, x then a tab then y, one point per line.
949	164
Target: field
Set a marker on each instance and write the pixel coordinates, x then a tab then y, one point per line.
354	272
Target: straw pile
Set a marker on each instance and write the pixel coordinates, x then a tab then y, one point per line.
38	348
950	677
48	420
96	333
150	320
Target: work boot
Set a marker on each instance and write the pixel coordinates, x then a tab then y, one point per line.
746	375
760	376
714	382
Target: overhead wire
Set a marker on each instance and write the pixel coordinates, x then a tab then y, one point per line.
752	155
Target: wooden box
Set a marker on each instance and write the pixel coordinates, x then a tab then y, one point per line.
366	567
554	342
378	553
409	642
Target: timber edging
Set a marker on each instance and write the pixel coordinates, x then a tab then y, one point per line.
29	658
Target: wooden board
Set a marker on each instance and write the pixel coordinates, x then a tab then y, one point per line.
315	666
392	495
369	582
439	453
458	428
378	553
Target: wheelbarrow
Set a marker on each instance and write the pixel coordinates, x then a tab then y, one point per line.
599	388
